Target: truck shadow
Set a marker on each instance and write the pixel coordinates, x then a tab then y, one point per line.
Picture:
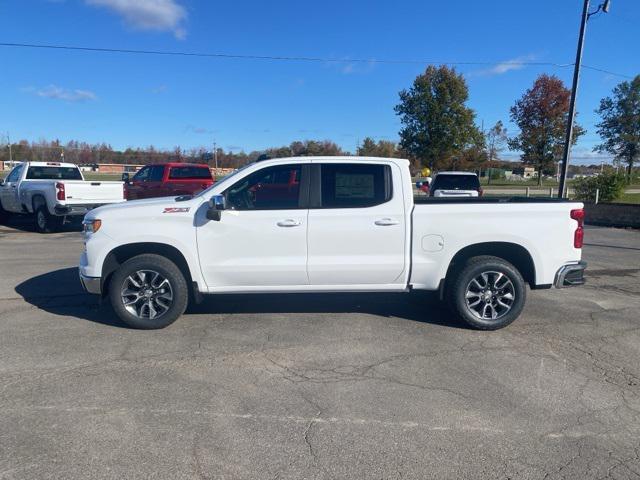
25	223
59	292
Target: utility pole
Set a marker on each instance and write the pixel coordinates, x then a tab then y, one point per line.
574	93
215	156
10	156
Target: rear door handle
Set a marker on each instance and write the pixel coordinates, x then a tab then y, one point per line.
385	222
289	223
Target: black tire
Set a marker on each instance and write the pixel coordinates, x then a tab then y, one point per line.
44	221
121	282
4	215
491	298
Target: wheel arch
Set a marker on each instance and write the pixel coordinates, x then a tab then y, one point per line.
122	253
513	253
36	200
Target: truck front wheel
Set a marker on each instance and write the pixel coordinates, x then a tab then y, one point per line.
4	215
488	293
148	292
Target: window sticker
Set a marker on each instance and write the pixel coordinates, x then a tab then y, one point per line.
350	185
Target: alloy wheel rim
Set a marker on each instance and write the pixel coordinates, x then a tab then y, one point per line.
41	220
146	294
490	295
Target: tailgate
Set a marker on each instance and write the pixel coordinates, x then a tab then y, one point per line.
455	193
93	192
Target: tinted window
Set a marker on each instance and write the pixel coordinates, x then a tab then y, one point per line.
352	185
455	182
190	173
273	188
53	173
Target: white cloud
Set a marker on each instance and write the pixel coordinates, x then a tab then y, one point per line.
517	63
66	94
159	15
351	68
199	130
159	89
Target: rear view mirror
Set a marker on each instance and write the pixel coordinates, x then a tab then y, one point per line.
216	205
125	177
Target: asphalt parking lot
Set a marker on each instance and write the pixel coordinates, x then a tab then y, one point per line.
317	386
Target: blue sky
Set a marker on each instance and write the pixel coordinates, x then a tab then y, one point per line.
133	100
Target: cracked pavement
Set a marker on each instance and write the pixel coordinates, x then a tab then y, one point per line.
317	386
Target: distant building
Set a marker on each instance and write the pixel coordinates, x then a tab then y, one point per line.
525	172
118	168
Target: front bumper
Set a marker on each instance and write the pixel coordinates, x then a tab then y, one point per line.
570	275
91	284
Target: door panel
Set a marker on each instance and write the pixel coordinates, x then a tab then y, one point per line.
254	248
9	191
261	239
353	244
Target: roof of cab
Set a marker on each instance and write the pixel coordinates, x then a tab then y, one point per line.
340	158
457	173
181	164
51	164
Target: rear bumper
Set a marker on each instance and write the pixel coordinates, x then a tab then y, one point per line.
91	284
74	209
570	275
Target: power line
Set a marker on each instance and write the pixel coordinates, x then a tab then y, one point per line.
607	71
287	58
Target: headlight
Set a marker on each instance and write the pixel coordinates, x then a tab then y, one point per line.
92	225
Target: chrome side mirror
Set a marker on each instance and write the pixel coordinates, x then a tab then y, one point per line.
216	205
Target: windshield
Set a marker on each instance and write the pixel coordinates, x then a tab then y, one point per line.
456	182
53	173
225	179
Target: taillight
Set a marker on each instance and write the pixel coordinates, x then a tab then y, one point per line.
578	235
60	193
480	192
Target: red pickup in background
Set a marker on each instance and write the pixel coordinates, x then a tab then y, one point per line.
166	180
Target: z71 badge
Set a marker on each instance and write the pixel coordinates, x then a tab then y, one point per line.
175	210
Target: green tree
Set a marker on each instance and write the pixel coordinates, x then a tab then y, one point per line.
609	184
436	123
542	114
620	124
382	148
496	138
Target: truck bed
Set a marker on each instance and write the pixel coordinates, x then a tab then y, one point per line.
427	200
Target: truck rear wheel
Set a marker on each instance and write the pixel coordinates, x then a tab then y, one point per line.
45	222
148	292
488	293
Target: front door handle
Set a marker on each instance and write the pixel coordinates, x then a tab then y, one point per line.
385	222
289	223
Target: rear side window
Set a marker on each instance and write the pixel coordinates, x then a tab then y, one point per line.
189	173
456	182
53	173
350	185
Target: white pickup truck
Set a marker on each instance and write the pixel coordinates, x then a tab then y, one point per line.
329	224
53	191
